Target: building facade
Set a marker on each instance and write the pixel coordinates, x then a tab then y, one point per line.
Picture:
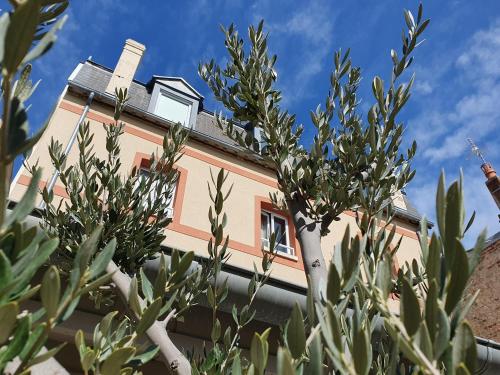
152	108
484	314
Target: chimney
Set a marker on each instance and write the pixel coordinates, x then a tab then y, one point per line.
127	66
492	182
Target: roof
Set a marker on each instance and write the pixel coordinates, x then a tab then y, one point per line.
410	208
95	77
493	239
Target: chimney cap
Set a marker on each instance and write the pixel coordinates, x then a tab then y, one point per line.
135	44
488	170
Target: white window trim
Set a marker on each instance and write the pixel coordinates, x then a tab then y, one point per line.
170	208
257	134
291	251
183	93
282	254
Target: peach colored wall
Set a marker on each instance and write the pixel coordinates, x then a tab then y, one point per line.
190	229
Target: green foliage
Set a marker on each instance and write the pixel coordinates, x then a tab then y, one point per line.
179	284
225	356
295	333
358	332
350	165
359	166
23	248
114	348
24	251
110	224
98	193
85	249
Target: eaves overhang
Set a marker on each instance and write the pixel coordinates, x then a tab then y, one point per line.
160	122
414	219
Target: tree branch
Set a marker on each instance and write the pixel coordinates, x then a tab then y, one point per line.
176	362
49	366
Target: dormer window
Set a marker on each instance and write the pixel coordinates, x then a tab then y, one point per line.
173	99
173	108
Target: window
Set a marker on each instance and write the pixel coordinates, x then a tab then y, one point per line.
257	134
144	173
173	108
269	223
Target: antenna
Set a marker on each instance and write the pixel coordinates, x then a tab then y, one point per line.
476	151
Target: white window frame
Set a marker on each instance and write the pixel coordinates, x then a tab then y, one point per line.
281	249
173	97
257	134
152	192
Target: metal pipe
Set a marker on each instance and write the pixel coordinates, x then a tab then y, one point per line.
69	146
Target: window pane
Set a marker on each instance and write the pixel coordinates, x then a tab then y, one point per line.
172	109
283	249
280	230
264	226
152	196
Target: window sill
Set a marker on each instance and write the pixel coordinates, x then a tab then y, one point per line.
284	255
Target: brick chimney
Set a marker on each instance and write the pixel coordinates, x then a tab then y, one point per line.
127	66
492	182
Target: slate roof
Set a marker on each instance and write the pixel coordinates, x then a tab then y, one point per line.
493	239
96	77
410	208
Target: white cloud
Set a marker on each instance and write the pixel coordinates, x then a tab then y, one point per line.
423	87
475	114
307	36
463	103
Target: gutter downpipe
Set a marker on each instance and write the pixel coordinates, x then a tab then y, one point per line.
69	146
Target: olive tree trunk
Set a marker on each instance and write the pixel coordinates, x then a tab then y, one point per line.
308	232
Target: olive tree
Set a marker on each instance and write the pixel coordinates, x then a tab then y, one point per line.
351	164
108	228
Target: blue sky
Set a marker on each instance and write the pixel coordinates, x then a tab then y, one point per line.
457	89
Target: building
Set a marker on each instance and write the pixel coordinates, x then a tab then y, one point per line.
152	107
484	315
